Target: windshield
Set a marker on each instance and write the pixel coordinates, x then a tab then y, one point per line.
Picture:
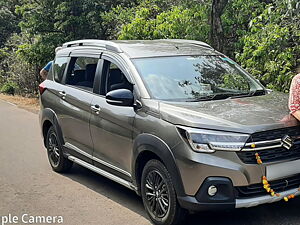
195	78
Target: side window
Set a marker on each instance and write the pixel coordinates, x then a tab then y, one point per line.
81	72
115	78
58	70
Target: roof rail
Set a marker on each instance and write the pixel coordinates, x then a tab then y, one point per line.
200	43
109	45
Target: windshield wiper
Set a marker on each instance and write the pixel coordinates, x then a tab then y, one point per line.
201	98
251	93
217	96
257	92
222	95
226	95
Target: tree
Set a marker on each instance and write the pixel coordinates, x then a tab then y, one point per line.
8	20
216	29
271	49
153	19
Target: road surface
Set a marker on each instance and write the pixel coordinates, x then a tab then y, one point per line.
81	197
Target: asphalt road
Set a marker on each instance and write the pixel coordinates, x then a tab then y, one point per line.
28	185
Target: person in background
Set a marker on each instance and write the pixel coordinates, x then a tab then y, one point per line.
45	70
294	99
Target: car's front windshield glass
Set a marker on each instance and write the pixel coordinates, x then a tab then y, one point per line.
195	78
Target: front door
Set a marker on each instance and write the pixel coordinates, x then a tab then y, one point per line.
112	126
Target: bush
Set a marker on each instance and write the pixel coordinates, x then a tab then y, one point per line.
8	88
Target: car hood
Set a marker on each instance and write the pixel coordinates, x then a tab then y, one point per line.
246	115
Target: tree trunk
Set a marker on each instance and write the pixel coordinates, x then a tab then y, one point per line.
216	29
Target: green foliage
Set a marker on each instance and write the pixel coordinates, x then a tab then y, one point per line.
15	69
262	35
114	19
8	88
151	22
44	25
50	23
8	20
271	49
236	18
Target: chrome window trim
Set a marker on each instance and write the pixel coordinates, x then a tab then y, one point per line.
69	145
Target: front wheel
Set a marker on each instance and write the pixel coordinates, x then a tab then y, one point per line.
159	196
56	158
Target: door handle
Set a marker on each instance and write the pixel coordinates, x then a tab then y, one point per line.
62	94
96	109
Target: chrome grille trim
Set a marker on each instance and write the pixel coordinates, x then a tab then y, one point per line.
262	145
277	143
264	142
262	148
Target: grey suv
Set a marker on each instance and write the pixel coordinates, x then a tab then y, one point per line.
176	121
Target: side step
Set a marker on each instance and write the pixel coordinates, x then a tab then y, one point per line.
103	173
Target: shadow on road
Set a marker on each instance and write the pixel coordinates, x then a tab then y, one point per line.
271	214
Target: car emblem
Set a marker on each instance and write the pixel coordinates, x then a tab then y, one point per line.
287	142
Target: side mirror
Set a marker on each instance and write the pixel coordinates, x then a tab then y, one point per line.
269	91
120	97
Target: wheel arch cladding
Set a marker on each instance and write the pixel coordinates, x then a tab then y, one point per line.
49	118
147	147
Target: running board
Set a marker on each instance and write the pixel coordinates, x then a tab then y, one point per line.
103	173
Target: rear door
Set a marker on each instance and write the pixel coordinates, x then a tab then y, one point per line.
77	95
112	126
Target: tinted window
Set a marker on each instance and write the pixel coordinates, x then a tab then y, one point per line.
82	72
59	66
115	78
189	78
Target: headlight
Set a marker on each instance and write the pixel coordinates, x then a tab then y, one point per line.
209	141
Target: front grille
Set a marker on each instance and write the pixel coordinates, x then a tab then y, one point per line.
271	155
256	190
274	134
275	153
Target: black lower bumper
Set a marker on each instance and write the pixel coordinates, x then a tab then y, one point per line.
224	199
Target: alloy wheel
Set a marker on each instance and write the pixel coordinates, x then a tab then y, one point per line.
53	149
157	194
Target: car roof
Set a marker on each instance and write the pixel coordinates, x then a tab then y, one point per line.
144	48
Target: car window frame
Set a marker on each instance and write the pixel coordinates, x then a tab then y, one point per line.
51	72
103	74
82	55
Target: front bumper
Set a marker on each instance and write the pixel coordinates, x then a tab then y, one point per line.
250	202
226	197
197	168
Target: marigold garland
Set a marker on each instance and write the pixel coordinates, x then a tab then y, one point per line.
268	187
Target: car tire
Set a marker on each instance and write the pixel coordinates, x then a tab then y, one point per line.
159	196
57	160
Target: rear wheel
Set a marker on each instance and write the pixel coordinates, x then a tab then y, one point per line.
55	154
159	196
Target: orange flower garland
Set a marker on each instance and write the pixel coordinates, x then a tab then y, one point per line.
267	186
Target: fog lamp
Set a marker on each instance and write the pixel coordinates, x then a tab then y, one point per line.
212	190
